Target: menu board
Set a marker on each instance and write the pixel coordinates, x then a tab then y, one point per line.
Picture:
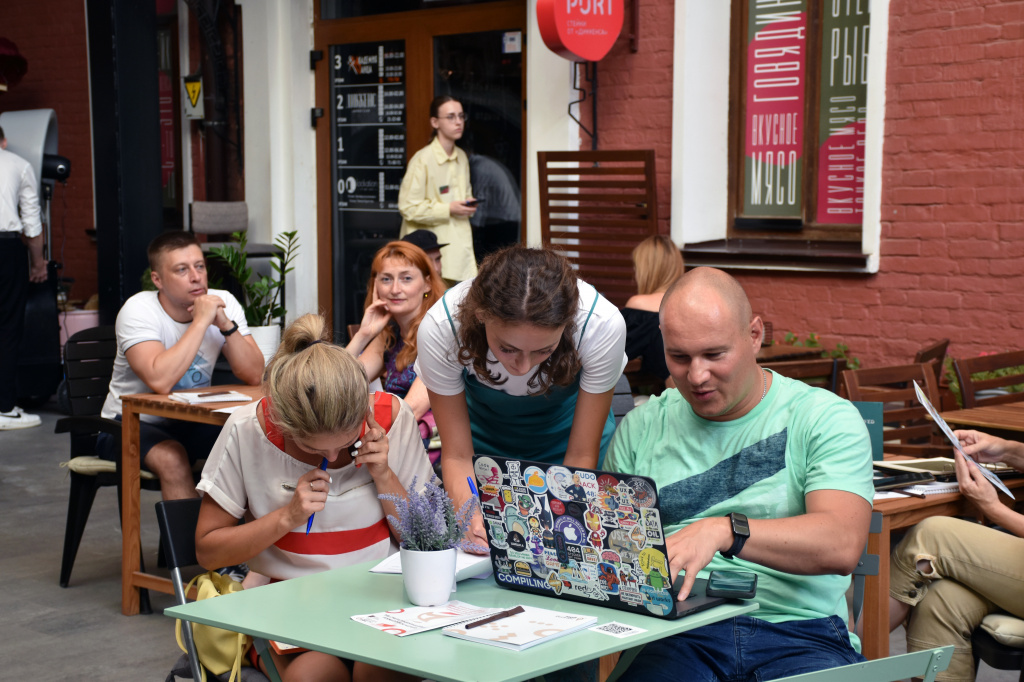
367	161
368	126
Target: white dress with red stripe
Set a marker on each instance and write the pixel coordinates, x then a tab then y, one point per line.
248	475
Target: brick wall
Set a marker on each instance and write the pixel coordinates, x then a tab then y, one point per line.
51	36
634	95
953	183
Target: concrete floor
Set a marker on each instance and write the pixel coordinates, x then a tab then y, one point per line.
49	633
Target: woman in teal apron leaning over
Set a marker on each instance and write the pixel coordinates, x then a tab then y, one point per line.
521	362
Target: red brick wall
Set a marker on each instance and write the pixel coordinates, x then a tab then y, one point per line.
953	183
51	36
634	95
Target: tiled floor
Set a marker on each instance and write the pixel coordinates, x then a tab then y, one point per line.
78	633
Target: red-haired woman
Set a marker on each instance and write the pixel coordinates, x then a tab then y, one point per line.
401	289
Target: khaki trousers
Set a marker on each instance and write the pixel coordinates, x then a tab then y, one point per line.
975	570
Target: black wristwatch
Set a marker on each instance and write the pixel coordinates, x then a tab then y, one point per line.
234	328
740	533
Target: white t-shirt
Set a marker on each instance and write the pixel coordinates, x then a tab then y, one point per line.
602	351
249	476
142	318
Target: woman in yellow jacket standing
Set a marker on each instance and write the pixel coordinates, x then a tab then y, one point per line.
436	194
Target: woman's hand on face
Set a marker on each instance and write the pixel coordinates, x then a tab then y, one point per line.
461	209
310	496
373	450
974	485
375	318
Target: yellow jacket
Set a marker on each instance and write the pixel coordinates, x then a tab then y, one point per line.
432	180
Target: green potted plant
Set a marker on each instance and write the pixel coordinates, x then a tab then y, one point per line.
840	352
431	531
262	302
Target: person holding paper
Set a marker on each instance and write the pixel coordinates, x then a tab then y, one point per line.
758	473
170	339
316	444
947	574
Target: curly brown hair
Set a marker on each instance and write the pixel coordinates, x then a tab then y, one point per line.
526	286
416	257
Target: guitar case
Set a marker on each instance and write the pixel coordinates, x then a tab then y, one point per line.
39	361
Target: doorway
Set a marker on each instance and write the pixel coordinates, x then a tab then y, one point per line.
375	83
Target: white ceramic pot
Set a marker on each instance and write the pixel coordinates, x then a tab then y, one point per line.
268	339
428	576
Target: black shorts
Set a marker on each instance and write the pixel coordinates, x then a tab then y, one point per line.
197	439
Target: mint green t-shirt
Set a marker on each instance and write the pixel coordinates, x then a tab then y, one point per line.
797	440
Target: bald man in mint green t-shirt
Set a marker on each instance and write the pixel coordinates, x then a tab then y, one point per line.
738	440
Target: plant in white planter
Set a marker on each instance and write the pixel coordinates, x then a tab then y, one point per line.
431	531
263	301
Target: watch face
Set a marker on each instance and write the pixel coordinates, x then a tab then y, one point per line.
740	525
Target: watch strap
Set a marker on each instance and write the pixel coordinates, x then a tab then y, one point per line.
740	533
234	328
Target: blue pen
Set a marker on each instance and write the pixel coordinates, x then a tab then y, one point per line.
472	487
309	524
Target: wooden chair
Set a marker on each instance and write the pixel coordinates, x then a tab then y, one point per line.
905	419
966	368
88	365
823	373
595	206
935	352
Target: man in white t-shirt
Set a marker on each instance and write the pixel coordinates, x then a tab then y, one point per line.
170	339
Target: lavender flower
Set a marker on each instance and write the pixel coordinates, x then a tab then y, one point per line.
427	519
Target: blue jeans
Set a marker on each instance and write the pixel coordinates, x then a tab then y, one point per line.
746	649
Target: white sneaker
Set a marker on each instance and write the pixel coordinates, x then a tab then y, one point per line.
18	419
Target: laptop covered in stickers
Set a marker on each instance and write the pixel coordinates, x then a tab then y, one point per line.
581	535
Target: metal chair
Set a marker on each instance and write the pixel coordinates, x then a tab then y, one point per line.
906	421
218	220
997	655
920	664
178	520
1010	363
88	365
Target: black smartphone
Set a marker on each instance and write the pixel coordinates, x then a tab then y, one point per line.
474	202
732	584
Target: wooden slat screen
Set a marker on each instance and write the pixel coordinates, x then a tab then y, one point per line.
595	206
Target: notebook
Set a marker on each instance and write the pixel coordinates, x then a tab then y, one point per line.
530	627
580	535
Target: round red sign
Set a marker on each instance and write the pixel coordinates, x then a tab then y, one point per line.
580	29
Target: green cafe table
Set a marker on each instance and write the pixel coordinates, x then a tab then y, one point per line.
315	612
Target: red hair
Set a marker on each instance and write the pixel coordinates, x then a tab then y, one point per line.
416	257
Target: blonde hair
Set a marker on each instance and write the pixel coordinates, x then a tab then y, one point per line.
657	263
314	386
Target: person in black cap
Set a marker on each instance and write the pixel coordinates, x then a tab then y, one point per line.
427	240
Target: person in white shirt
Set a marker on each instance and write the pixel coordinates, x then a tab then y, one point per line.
317	443
521	362
168	340
20	227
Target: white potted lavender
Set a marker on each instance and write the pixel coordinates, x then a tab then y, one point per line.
431	532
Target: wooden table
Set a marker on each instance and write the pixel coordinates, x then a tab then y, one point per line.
1002	417
781	351
132	578
901	513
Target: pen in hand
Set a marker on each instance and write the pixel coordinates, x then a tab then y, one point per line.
309	524
472	488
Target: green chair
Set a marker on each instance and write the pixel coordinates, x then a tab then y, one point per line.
924	664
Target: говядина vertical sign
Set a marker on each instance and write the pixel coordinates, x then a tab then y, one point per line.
843	106
580	29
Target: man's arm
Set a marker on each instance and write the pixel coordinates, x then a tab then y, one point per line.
828	539
37	272
161	368
245	358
